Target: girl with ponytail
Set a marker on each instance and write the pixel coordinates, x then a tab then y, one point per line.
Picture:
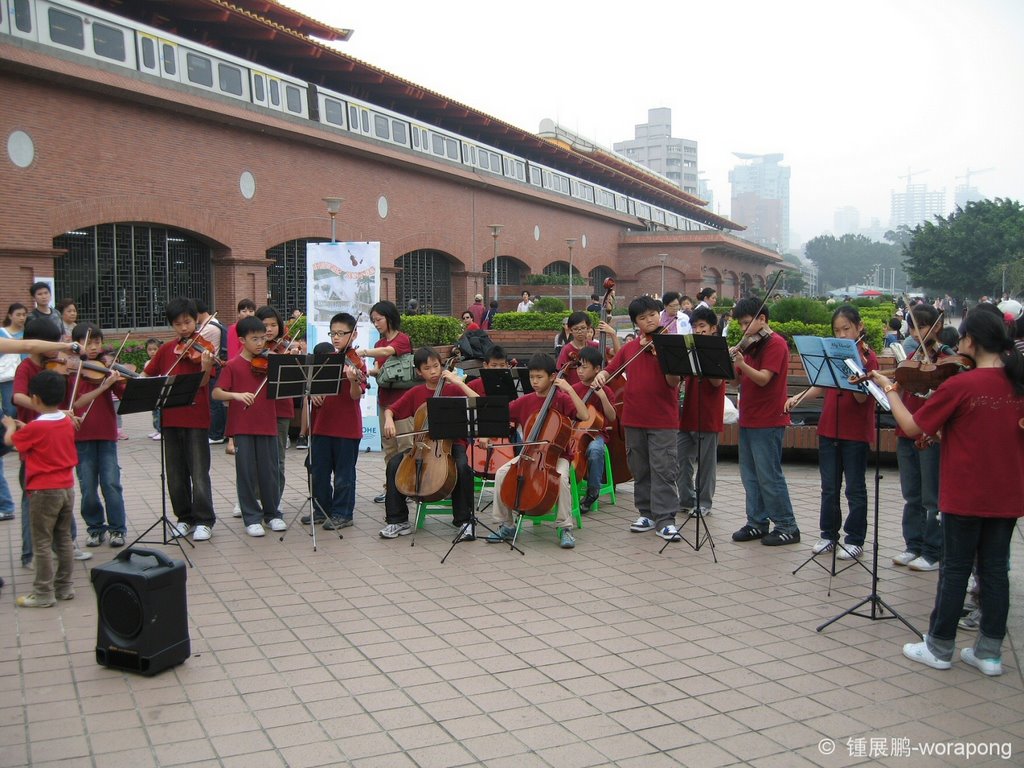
980	414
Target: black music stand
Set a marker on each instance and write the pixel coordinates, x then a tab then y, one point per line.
523	385
498	382
163	392
702	357
305	376
824	361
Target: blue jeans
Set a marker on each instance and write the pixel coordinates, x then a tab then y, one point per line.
335	456
98	471
847	459
6	501
965	539
218	413
763	481
6	396
595	466
919	481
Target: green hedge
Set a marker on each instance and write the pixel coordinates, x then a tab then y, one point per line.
542	279
788	330
431	330
547	304
533	321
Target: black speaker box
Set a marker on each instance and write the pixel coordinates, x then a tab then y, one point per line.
143	612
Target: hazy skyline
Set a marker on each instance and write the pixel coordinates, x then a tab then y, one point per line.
852	99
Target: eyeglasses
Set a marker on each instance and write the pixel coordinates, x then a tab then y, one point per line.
579	329
339	334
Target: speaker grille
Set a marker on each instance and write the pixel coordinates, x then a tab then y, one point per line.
121	609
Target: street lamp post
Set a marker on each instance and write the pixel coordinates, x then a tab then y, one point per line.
495	230
570	241
333	206
662	257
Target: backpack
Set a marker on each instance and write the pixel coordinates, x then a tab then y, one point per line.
475	345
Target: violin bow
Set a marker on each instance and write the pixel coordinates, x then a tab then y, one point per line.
78	376
191	343
111	367
288	345
767	295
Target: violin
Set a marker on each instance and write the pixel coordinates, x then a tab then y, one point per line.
260	364
355	361
920	377
90	370
748	342
428	471
532	484
191	348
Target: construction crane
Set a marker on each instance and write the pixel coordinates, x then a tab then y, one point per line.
971	172
964	193
910	175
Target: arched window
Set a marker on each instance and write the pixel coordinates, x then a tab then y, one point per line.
427	277
597	277
286	279
510	271
121	275
560	268
746	285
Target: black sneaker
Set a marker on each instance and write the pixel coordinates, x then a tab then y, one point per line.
337	523
318	517
587	502
302	443
778	539
748	533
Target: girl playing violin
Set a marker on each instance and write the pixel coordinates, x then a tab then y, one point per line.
185	430
252	421
284	406
650	415
845	432
981	487
762	370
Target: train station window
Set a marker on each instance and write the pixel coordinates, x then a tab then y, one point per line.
200	69
258	89
293	99
22	15
286	279
427	277
108	42
334	112
121	275
66	29
510	271
170	60
230	79
398	133
380	127
148	48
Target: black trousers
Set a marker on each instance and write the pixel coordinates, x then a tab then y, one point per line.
396	507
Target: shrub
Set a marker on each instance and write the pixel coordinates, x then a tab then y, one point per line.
788	330
549	304
431	330
134	353
799	308
532	321
542	279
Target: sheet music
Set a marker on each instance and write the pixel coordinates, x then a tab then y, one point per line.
874	390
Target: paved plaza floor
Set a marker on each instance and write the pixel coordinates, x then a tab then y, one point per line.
370	652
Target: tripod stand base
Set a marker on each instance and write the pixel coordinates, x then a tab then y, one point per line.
170	536
700	537
877	604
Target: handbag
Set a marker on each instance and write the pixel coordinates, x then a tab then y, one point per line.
398	372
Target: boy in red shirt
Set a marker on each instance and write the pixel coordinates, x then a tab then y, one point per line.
252	421
543	377
762	370
96	443
47	448
700	424
337	430
396	509
185	430
581	335
591	363
650	414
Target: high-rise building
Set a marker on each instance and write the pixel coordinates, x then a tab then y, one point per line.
915	205
846	221
760	199
653	147
705	193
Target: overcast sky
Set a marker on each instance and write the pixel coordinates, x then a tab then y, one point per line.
853	94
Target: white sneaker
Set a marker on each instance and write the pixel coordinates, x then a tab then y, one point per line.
904	558
850	552
81	554
823	545
202	533
669	533
642	524
236	511
923	564
919	652
277	524
181	530
255	530
394	530
990	667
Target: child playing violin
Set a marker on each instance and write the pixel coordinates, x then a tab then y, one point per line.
96	443
185	430
543	376
590	365
650	414
701	421
845	433
396	508
252	421
581	334
762	370
981	487
337	430
277	344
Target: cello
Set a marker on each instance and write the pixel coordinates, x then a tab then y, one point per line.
532	484
617	434
428	471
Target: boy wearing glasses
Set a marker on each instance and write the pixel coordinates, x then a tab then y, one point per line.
581	328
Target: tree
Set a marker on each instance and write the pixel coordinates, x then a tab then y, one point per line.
966	252
850	258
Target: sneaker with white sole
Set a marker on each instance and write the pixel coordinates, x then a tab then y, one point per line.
255	530
95	539
81	554
850	552
669	533
905	558
642	525
565	539
923	564
467	534
116	540
202	533
504	533
35	601
990	667
181	529
970	620
394	530
823	545
919	652
277	524
779	538
236	511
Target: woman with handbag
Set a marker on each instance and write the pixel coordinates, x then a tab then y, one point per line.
392	342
